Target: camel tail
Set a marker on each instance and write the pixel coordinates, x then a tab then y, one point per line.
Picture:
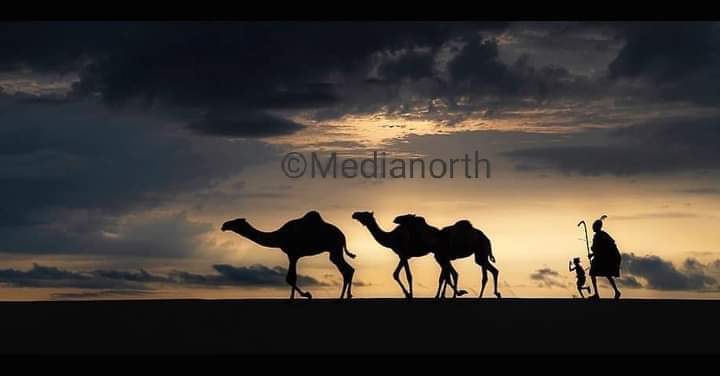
351	255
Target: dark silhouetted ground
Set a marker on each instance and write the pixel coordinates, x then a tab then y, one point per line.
361	325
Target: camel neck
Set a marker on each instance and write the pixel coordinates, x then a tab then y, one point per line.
384	238
267	239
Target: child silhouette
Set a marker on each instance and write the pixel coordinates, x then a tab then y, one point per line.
576	266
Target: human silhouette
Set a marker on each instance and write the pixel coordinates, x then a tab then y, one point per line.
576	266
306	236
401	241
604	260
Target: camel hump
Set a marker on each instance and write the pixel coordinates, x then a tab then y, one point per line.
420	220
463	223
312	216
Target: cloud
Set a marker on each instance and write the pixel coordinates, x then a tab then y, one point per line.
478	65
411	65
172	235
676	61
48	276
700	191
660	274
203	65
333	280
430	69
76	156
103	294
70	174
255	275
547	278
244	124
629	282
139	276
433	70
665	51
141	280
662	146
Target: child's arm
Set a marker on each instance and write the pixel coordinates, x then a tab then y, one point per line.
570	267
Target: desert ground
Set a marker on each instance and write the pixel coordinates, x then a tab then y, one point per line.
361	325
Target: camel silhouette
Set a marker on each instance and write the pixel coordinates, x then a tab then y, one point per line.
401	241
306	236
454	242
427	237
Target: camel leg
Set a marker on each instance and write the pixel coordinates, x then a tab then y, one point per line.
346	270
291	279
484	281
447	279
451	279
441	280
454	281
493	270
396	276
455	278
408	276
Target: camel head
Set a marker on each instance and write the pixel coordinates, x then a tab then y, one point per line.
364	217
237	225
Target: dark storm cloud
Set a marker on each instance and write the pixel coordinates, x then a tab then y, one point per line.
478	71
547	278
263	66
103	294
44	99
48	276
167	236
411	65
666	51
678	60
141	280
70	174
139	276
258	65
85	156
661	274
478	64
629	282
244	124
255	275
673	145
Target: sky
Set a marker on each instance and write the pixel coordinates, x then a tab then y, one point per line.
125	145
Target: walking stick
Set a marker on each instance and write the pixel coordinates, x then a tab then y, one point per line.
587	242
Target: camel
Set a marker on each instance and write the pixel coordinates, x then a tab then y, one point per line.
429	237
455	242
306	236
401	241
